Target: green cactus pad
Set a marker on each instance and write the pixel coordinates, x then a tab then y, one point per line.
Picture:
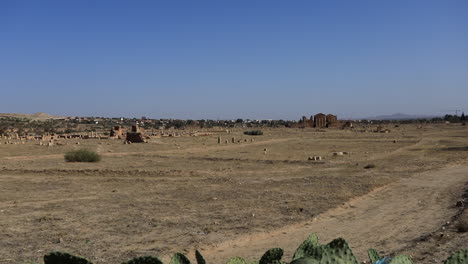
144	260
64	258
401	259
199	257
306	260
236	260
309	248
338	252
179	258
459	257
373	255
272	256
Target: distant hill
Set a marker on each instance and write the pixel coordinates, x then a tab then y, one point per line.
36	116
400	116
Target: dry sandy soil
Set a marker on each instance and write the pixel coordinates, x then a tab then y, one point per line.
178	194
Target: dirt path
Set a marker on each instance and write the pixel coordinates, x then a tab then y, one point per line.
388	218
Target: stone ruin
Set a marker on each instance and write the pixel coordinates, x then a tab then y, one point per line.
319	121
348	124
116	132
136	135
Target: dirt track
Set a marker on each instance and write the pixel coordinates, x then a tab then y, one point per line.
388	218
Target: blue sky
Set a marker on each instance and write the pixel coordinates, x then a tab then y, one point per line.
229	59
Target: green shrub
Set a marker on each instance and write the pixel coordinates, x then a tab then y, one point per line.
82	155
253	133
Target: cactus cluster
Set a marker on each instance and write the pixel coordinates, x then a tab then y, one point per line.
458	257
309	252
63	258
144	260
373	255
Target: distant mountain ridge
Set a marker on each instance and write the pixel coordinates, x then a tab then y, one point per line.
35	116
400	116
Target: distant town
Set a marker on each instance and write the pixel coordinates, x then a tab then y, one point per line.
44	127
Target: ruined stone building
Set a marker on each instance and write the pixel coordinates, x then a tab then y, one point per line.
136	135
307	122
331	119
319	120
117	132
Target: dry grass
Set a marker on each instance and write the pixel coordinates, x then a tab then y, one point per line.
174	193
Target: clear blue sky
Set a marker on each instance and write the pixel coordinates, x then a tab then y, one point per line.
233	58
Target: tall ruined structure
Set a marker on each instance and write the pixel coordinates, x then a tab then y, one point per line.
319	120
117	132
136	135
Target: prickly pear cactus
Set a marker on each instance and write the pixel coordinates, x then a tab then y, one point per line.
401	259
385	260
63	258
338	252
179	258
199	257
373	255
309	248
272	256
305	260
144	260
236	260
459	257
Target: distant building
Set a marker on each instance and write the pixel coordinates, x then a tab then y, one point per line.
332	120
136	135
319	120
117	132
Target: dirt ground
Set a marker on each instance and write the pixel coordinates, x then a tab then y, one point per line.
179	194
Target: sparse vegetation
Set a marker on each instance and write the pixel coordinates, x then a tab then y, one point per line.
309	252
82	155
253	132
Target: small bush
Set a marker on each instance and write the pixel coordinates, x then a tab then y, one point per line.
369	166
82	155
253	133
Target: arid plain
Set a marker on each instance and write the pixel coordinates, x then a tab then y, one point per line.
176	194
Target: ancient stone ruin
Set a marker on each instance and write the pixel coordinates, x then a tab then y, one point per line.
319	121
116	132
136	135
